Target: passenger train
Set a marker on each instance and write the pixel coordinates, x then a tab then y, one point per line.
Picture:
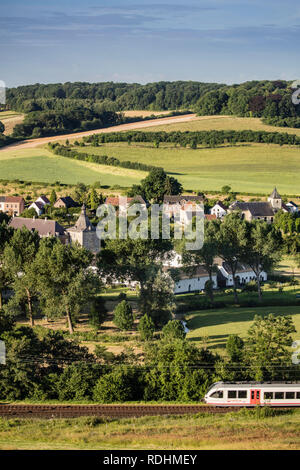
253	394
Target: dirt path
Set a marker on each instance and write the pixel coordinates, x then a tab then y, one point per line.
31	143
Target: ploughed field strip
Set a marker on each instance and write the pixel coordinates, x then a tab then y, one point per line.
110	411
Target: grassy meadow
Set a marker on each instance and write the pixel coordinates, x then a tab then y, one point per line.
254	168
38	164
211	328
218	123
243	430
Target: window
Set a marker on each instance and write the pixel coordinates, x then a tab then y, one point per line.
231	393
279	395
242	394
298	395
268	396
218	394
290	395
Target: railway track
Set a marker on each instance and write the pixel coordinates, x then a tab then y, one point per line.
109	411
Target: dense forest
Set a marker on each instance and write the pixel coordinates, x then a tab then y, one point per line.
271	100
70	107
114	96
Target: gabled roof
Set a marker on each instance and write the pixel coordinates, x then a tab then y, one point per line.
210	216
38	204
182	199
83	223
68	201
44	227
220	203
44	199
241	268
256	209
275	194
16	199
291	203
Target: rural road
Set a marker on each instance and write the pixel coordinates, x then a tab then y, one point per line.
31	143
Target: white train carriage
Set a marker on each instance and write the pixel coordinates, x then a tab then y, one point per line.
253	393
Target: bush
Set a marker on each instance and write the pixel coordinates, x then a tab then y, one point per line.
174	329
123	316
146	328
118	386
77	381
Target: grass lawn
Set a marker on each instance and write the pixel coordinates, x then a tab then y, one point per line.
255	168
218	123
212	327
244	430
39	164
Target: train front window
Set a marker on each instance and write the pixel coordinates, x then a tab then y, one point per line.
217	394
268	395
279	395
290	395
231	393
242	394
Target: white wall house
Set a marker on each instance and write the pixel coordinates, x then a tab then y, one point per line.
292	207
219	210
244	274
193	282
38	207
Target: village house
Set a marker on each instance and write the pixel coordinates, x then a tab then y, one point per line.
260	210
39	205
84	233
292	207
44	227
193	281
219	210
65	202
244	274
12	205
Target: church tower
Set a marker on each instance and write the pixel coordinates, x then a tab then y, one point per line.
84	233
275	200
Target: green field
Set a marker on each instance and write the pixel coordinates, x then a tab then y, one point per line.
245	430
218	123
39	164
255	168
212	327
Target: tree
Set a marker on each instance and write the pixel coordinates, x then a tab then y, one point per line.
53	197
205	256
19	261
267	350
226	189
122	384
234	348
2	127
65	283
231	240
174	329
158	299
262	250
6	233
157	184
123	316
98	312
146	328
134	260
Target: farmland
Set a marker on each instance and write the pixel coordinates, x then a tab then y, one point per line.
218	123
41	165
255	168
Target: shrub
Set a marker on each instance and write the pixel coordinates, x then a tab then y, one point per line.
123	316
146	328
174	329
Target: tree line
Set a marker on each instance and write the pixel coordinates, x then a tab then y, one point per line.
271	100
68	152
114	96
194	138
